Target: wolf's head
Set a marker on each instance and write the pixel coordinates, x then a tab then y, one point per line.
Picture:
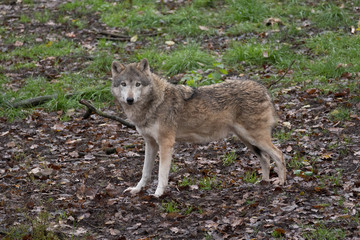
131	83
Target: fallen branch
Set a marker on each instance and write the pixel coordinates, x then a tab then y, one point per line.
32	102
92	109
287	70
113	36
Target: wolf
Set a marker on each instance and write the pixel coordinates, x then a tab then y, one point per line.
164	113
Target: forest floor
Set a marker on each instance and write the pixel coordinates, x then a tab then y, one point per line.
63	176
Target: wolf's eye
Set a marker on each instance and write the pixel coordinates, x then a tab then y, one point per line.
137	84
123	84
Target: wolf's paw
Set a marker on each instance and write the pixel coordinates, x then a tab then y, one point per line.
132	190
158	193
278	181
265	179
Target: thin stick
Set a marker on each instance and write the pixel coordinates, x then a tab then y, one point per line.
287	70
94	110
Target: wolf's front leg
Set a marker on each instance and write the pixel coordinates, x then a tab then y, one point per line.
151	149
166	149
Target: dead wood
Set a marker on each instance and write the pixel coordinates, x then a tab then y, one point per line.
114	36
92	109
32	102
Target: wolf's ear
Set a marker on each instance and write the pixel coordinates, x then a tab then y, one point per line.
116	68
144	66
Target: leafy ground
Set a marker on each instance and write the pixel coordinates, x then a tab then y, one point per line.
62	176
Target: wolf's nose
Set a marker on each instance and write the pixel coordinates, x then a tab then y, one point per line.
130	101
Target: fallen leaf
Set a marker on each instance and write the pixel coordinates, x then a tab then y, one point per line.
18	44
134	38
169	43
11	144
203	28
70	34
265	54
271	21
74	154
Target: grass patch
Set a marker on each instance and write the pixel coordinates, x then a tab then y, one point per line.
340	114
36	230
49	49
297	161
246	10
321	232
101	64
70	83
154	56
208	183
187	58
24	19
282	135
42	17
330	16
186	182
229	158
256	53
169	207
185	21
336	54
251	177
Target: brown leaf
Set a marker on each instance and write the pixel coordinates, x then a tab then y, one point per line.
280	231
204	28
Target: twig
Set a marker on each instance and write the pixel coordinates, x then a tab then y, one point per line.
113	38
287	70
92	109
113	34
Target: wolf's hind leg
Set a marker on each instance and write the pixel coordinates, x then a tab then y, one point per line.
259	141
264	159
151	150
265	145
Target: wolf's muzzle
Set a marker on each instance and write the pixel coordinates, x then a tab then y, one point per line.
130	101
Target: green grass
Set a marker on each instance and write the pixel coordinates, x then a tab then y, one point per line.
340	114
321	232
283	135
101	64
208	183
187	58
155	57
146	15
246	10
42	17
36	229
229	158
69	83
251	177
24	19
323	56
49	49
186	182
296	162
336	54
170	207
331	16
253	52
